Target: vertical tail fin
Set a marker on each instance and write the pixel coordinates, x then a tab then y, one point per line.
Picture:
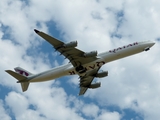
22	71
21	75
24	86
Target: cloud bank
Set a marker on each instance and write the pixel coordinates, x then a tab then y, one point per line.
132	84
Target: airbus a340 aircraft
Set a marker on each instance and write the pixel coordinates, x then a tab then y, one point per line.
85	64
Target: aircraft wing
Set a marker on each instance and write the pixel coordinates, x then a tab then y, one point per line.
75	55
86	80
83	89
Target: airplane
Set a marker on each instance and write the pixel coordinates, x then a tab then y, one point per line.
84	64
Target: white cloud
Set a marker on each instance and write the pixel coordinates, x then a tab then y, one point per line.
17	102
3	115
132	83
90	110
30	114
140	20
109	116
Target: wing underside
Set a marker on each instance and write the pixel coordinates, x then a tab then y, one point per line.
86	80
75	56
83	90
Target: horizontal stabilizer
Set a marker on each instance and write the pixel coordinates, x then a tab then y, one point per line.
16	75
20	78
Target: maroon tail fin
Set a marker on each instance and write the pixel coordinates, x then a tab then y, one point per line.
22	71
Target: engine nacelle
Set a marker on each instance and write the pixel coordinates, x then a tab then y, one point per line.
102	74
90	54
95	85
70	44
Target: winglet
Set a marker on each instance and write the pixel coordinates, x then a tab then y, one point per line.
37	31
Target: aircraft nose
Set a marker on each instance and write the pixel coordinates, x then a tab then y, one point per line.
148	45
151	44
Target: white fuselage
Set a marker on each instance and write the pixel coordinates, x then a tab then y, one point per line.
105	57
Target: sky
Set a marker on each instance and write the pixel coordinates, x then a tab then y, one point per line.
130	92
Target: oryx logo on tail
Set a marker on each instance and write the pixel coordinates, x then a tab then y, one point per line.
23	72
22	76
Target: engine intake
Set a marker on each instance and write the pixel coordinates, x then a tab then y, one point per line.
95	85
90	54
70	44
102	74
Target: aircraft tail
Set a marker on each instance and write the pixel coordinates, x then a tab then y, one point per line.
22	76
22	71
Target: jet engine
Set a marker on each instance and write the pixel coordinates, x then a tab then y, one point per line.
90	54
102	74
95	85
70	44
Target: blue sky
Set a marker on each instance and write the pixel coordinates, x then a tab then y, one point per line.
131	90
